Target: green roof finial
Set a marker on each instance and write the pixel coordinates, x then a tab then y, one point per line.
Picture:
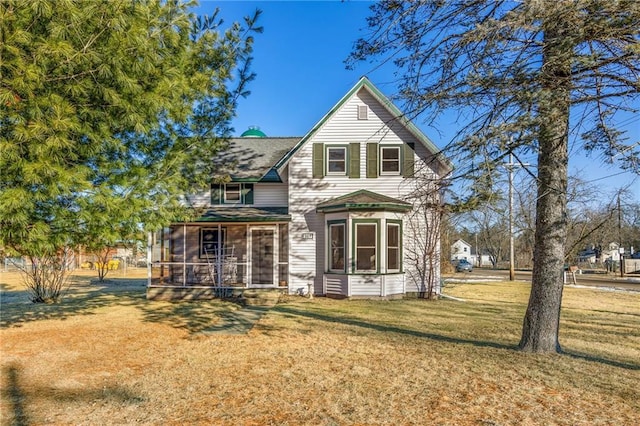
253	132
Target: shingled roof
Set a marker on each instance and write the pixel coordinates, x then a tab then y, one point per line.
253	159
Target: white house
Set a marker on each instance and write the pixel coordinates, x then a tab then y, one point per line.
461	249
338	212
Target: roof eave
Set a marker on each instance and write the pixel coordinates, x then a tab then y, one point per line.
391	207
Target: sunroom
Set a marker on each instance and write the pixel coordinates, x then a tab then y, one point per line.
221	253
364	250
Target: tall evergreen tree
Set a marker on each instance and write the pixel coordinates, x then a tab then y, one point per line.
529	76
110	111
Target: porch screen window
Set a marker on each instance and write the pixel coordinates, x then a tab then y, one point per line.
390	162
336	160
366	247
336	258
232	193
393	247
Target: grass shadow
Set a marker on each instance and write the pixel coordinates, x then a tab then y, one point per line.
81	298
16	397
386	328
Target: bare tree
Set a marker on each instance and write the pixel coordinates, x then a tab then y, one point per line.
424	253
528	77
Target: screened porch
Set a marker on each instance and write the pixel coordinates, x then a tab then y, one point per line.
220	255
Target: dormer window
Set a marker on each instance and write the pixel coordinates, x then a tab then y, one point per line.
232	193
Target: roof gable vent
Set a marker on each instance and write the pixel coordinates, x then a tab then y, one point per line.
363	112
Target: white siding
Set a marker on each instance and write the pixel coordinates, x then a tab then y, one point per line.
393	284
305	192
270	195
366	285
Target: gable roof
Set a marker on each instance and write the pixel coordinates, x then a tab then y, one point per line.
461	241
363	200
252	159
364	83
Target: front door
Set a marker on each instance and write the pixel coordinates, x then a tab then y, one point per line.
262	256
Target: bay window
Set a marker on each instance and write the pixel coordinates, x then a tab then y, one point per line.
393	247
337	248
366	247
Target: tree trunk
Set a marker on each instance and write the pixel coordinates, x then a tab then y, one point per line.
542	319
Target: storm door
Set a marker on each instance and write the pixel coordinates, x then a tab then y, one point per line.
262	256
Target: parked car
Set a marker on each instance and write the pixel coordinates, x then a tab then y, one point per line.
463	265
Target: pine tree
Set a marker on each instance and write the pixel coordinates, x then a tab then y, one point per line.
531	76
109	113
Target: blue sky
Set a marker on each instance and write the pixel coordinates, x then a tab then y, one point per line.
299	62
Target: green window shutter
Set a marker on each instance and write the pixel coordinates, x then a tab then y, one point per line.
318	160
372	160
407	160
216	193
247	193
354	160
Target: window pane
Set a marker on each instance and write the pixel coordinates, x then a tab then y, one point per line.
393	258
336	154
366	235
393	232
366	259
337	247
390	153
366	242
232	192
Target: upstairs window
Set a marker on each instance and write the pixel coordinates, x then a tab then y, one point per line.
336	160
232	193
390	161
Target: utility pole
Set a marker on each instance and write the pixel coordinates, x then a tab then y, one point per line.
512	271
510	166
620	247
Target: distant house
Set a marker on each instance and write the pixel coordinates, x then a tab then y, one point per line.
461	249
332	212
610	252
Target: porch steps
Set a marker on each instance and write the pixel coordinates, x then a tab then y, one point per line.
260	297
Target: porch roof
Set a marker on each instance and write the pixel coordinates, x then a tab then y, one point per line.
245	214
363	200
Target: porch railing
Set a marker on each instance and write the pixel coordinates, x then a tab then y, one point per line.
216	273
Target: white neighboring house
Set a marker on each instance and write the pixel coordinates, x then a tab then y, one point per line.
332	212
461	249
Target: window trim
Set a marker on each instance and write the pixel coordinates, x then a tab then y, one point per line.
398	223
345	150
354	246
398	172
345	245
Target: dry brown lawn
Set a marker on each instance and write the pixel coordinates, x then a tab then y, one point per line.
106	355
